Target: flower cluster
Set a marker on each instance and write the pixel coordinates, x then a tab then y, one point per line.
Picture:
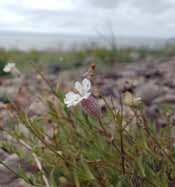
9	67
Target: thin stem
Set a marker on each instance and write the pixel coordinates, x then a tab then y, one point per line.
107	134
51	148
38	163
121	137
122	151
155	140
27	180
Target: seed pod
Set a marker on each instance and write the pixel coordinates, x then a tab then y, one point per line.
91	106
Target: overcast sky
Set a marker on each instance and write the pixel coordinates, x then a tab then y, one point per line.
154	18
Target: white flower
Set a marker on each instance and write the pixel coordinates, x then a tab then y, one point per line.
9	67
83	89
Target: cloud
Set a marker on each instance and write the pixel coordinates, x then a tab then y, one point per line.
153	6
129	17
48	4
105	3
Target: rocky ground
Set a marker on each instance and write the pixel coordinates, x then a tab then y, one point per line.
153	82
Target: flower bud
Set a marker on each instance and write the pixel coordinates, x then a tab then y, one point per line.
91	106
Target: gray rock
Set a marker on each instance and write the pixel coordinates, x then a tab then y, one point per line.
125	84
6	176
128	73
168	98
9	88
152	112
148	91
3	154
16	183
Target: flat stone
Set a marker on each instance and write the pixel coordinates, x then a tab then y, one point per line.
148	91
168	98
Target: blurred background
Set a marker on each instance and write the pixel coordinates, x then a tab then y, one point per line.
57	31
58	24
71	35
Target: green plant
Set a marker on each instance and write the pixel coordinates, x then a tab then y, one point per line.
69	147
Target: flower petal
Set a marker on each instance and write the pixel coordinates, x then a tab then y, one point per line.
86	85
72	99
70	96
79	87
86	96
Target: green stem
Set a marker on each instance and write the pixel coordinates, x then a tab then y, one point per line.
121	137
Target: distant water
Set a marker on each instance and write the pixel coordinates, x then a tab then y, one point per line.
26	41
